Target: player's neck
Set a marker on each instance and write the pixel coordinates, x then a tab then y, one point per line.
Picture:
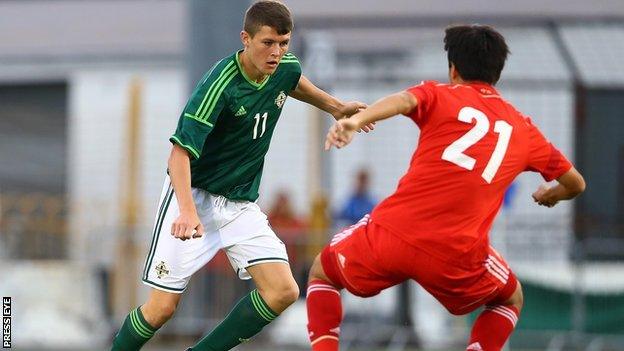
459	80
250	71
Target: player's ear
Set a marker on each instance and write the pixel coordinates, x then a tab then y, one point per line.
453	74
245	38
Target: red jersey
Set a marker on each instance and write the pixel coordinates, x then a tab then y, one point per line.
471	147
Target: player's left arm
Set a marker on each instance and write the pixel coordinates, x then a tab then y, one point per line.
341	133
546	159
309	93
570	185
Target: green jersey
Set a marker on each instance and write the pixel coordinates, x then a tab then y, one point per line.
228	123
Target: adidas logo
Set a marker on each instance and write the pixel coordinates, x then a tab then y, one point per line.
241	112
474	346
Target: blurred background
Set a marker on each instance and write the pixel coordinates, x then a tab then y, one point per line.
91	90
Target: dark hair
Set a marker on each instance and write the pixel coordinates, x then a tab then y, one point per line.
268	13
478	52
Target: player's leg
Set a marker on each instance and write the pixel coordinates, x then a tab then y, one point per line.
497	321
324	308
342	264
275	284
261	256
143	322
276	290
168	267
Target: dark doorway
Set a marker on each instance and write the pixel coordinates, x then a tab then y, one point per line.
600	148
33	171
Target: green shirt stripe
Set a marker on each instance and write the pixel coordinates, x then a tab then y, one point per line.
208	92
198	119
187	147
213	100
213	91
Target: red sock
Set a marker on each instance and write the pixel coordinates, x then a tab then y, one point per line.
324	315
492	328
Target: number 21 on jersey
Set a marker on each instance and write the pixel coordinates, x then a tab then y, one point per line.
455	152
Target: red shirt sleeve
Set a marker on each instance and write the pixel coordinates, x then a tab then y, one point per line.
544	157
425	95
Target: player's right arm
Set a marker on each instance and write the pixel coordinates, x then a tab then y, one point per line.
342	132
196	122
179	166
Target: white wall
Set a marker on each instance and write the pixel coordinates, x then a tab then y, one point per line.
99	102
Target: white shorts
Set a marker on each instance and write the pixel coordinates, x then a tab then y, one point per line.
238	227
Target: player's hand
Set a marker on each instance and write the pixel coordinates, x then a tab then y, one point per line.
541	196
349	109
341	133
187	226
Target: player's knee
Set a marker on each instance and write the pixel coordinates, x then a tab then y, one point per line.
288	295
316	271
517	298
165	311
158	314
280	297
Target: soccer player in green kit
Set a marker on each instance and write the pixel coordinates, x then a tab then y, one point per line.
214	171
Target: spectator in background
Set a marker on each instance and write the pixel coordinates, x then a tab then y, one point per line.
291	229
359	203
282	217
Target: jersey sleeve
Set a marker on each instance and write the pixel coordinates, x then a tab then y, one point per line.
293	68
425	96
544	157
203	109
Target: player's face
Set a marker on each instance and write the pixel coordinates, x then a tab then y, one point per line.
266	48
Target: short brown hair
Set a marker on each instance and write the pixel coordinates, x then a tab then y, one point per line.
268	13
478	52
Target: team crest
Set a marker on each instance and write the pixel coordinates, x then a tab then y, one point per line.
161	270
280	99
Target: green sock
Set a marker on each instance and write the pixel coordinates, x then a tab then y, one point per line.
134	332
245	320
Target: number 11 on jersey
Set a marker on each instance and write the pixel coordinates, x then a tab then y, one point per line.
455	152
258	118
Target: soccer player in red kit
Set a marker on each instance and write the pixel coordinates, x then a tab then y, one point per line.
434	228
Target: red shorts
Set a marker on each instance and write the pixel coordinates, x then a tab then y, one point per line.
366	258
